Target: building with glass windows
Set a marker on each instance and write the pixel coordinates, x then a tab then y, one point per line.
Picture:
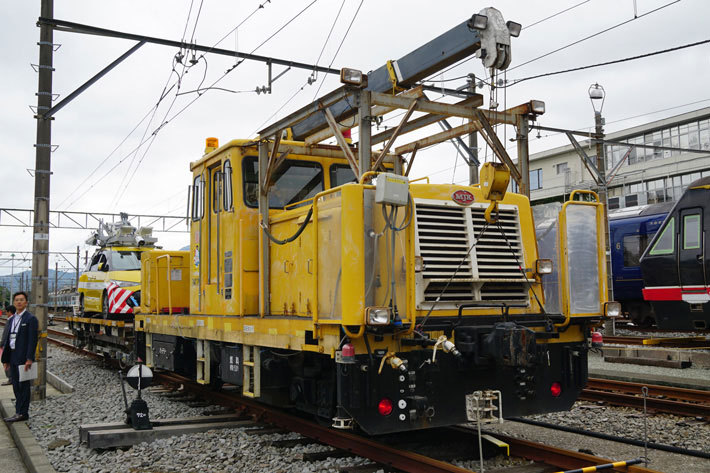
641	176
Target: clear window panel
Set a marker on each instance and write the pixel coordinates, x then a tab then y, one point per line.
691	232
664	244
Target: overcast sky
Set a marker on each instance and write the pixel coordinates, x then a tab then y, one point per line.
155	179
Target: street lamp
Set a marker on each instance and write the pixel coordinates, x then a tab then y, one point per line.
597	95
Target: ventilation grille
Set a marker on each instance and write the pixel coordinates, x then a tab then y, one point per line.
443	243
489	272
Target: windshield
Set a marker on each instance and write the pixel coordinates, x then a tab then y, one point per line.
125	261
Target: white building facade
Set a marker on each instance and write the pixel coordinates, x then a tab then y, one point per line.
646	176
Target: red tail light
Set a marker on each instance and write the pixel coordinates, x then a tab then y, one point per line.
384	407
555	389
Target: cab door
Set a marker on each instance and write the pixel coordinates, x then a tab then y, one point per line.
690	248
213	283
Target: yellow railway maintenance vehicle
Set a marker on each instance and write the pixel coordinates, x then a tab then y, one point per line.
116	263
323	279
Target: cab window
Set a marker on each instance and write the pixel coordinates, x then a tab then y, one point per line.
94	265
665	243
341	174
125	260
293	182
197	198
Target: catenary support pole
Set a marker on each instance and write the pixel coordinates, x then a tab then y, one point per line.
601	166
40	233
523	154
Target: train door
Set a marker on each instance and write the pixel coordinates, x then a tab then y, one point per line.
198	243
212	251
691	266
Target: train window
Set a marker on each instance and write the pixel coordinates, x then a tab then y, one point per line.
294	181
665	243
227	186
691	232
341	174
634	246
197	198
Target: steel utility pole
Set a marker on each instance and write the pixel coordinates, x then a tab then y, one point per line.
472	140
40	241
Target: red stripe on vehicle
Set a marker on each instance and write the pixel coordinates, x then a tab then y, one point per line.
670	293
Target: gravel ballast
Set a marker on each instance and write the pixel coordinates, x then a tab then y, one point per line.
97	399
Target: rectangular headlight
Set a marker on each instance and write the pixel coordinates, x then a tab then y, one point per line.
478	22
126	283
612	309
543	266
350	76
377	315
537	107
514	28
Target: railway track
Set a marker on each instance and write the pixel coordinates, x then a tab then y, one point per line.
378	452
672	400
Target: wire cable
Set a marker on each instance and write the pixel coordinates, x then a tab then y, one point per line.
197	18
605	30
168	120
615	61
341	43
314	74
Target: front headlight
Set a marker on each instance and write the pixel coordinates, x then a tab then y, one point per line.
612	309
377	315
543	266
126	283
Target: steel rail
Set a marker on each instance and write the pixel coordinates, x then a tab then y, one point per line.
612	438
558	457
654	390
659	405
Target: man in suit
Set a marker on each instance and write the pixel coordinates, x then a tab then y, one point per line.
10	314
19	353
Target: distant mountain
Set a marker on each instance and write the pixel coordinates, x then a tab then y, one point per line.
24	280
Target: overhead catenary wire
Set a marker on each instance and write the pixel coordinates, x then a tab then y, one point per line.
168	120
164	93
314	74
342	41
308	82
607	63
594	35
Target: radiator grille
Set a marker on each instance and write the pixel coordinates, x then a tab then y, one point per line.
488	273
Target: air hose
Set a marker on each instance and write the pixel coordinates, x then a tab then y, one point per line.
295	235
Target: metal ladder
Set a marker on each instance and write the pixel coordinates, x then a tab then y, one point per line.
251	356
203	361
